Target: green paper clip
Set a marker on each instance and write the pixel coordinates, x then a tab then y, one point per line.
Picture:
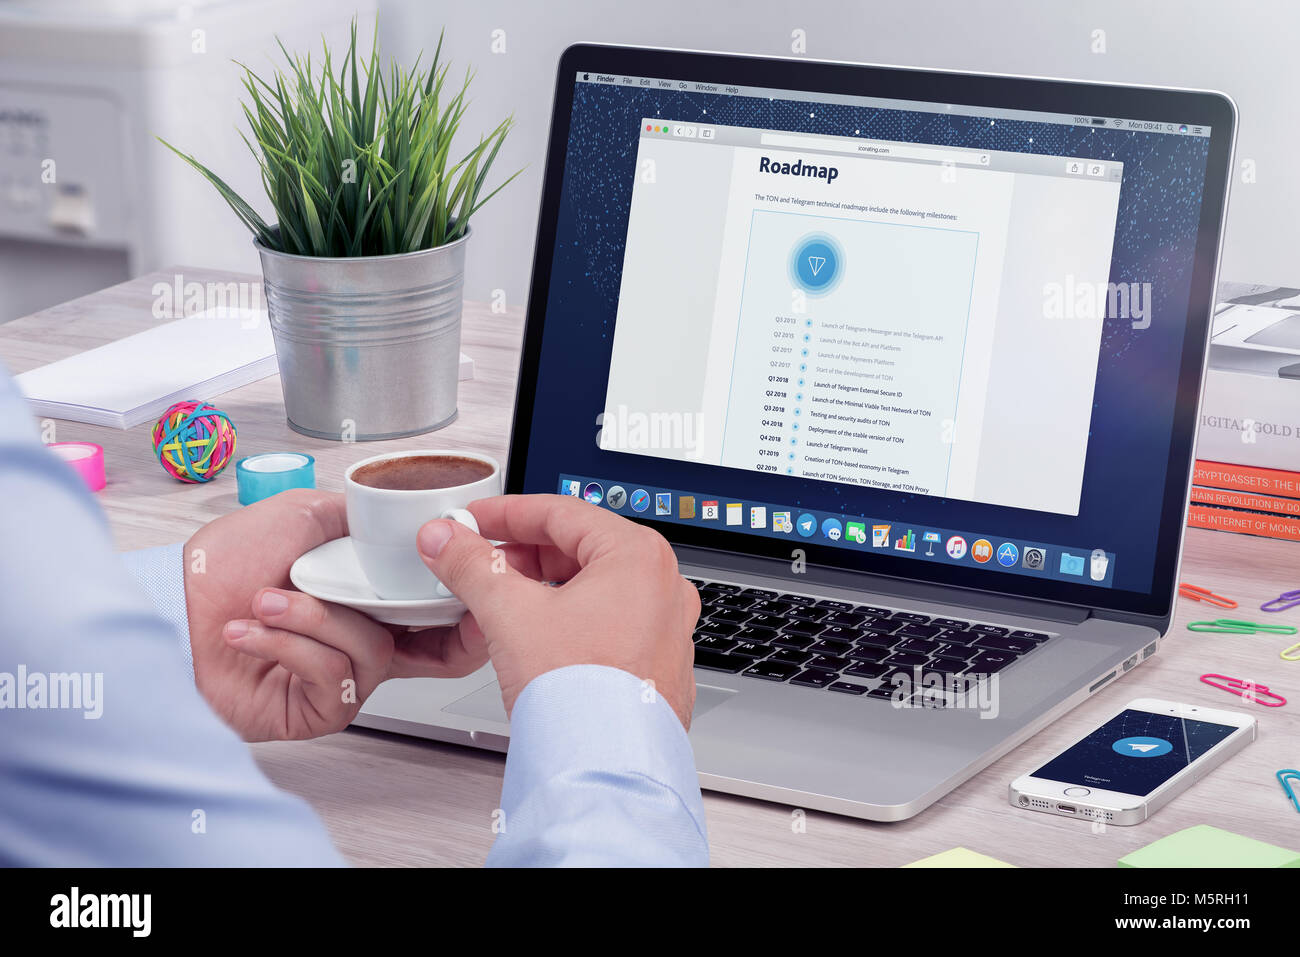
1232	626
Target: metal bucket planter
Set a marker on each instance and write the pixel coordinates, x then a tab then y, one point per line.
368	347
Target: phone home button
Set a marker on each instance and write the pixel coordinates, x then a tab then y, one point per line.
1076	792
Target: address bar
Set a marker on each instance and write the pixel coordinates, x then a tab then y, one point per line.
870	148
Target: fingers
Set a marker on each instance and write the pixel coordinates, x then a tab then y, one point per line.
322	668
440	652
473	568
313	516
691	605
581	531
365	644
541	563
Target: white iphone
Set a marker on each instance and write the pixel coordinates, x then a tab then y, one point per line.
1135	763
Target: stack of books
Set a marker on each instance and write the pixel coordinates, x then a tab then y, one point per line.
1245	499
1247	476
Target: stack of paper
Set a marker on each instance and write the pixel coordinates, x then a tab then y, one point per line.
133	380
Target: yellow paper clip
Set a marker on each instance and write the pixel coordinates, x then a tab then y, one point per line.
1292	653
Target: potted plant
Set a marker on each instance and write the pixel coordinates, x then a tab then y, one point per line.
364	266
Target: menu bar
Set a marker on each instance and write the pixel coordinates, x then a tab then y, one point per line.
1126	124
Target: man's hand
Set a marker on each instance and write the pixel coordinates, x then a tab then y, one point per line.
623	602
275	663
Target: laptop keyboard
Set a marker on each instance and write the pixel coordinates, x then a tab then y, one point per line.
843	647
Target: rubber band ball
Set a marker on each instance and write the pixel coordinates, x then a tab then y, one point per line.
194	441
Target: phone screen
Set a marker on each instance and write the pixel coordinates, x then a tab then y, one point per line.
1135	752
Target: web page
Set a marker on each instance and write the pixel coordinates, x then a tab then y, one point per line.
862	312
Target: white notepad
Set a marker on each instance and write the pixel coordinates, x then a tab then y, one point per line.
134	380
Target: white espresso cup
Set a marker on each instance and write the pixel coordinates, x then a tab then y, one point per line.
383	523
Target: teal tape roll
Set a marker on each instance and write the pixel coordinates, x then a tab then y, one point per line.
261	476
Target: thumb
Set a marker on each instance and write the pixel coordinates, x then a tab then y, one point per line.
471	567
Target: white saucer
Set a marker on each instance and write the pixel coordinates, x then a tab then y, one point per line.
331	572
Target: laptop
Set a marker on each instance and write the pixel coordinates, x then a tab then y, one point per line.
905	364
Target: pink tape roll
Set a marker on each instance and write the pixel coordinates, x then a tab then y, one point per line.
86	457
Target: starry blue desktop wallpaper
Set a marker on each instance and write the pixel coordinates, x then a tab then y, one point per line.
1156	232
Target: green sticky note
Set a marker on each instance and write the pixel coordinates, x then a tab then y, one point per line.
1206	846
959	857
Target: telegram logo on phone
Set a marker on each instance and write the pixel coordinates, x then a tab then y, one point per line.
1142	747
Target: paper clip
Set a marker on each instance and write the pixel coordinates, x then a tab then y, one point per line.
1288	599
1197	593
1285	778
1248	690
1233	626
1290	654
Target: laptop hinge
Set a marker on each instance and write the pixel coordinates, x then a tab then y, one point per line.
813	575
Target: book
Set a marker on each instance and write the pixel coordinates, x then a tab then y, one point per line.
1242	522
1244	499
1250	409
133	380
1246	478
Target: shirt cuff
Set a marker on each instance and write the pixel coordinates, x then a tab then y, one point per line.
161	572
585	717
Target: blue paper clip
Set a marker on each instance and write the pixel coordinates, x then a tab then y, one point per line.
1285	778
1288	599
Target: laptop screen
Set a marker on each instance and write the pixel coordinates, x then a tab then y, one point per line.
933	339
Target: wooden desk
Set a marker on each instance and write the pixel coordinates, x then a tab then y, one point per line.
389	800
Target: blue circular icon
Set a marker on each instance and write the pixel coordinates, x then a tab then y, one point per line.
1142	747
832	529
816	264
593	493
806	525
640	500
1008	554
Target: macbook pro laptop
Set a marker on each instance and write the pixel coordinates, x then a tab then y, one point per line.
904	363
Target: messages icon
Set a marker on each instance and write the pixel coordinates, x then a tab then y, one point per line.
1071	564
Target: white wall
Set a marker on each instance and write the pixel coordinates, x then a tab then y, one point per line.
1246	48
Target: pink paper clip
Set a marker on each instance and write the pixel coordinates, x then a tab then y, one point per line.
1248	690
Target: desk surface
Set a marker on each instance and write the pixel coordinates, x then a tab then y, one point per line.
391	800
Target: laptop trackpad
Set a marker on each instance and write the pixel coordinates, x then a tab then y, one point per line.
485	703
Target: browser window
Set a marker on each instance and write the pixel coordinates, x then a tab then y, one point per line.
874	312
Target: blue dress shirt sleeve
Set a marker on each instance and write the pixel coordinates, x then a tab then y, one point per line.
600	773
108	754
161	573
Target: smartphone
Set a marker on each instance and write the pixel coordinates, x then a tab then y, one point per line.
1135	763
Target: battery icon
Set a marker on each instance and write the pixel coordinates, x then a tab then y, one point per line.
1098	122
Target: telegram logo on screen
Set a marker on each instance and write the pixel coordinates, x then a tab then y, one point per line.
816	264
1142	746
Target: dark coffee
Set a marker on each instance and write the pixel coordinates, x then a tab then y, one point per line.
419	472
